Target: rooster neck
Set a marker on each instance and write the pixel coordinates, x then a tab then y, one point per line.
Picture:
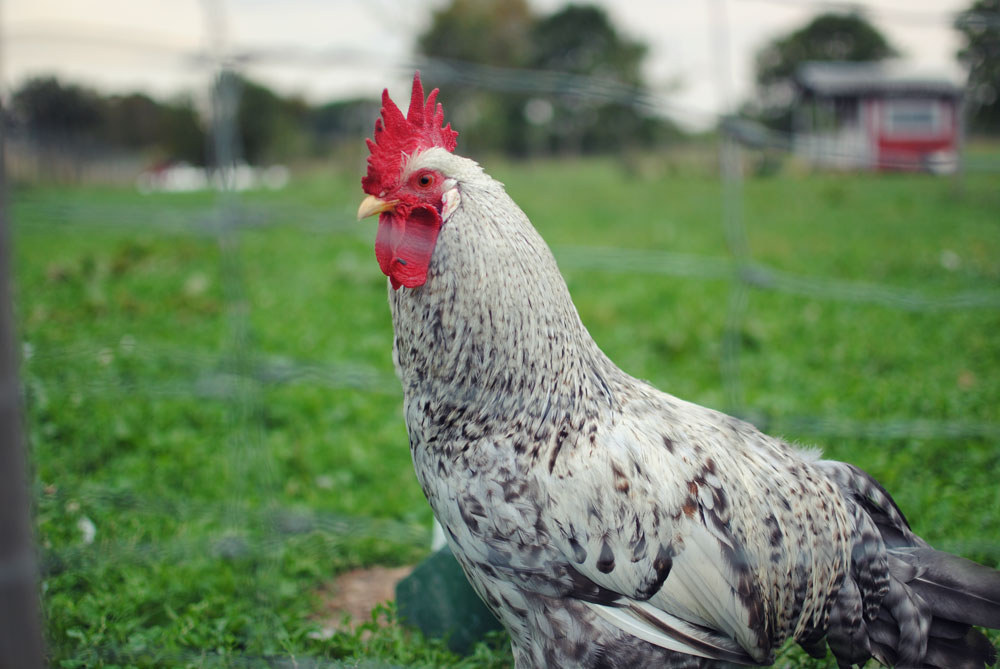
494	327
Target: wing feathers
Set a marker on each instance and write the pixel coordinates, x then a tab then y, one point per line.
662	629
708	583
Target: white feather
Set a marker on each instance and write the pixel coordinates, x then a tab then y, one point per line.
628	622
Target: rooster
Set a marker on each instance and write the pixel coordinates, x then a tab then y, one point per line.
604	522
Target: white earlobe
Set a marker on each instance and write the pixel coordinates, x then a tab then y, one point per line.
449	202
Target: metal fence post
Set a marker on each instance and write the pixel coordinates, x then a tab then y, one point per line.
20	622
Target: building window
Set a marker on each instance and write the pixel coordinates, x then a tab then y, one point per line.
913	118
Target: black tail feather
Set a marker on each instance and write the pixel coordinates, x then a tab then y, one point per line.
950	645
957	593
884	634
925	616
971	651
957	589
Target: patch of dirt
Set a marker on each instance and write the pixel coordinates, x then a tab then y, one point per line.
356	593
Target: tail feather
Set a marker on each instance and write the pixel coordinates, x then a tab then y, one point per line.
926	601
957	589
913	618
814	643
950	645
948	629
846	634
947	643
971	651
884	635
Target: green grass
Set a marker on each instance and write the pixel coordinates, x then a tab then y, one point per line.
225	490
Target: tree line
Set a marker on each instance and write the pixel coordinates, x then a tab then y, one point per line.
272	128
576	40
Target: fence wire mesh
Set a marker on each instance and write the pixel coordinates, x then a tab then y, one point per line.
228	387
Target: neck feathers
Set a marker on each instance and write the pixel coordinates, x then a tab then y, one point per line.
494	323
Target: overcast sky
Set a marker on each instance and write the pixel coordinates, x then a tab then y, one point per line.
701	49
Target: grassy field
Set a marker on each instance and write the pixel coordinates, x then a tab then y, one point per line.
215	430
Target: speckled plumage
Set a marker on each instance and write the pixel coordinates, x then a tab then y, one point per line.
608	524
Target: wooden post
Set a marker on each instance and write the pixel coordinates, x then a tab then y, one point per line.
20	622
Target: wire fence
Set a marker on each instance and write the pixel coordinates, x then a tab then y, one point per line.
238	378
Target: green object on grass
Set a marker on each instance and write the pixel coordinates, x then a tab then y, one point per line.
438	600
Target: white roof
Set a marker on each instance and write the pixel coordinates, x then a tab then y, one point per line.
844	78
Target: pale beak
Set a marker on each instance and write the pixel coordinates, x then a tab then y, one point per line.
372	205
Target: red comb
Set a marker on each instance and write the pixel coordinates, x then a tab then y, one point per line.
395	136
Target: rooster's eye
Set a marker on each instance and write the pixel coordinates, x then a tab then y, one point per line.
425	180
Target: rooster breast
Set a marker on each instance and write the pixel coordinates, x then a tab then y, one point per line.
632	529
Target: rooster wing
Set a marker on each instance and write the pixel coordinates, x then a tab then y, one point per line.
717	538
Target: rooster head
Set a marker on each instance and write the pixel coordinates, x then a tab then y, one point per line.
409	202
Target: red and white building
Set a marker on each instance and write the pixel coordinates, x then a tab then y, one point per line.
878	116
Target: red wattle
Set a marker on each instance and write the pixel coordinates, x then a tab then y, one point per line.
405	243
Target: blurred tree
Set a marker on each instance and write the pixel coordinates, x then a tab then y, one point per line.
828	37
340	121
487	32
71	119
59	123
181	132
132	121
577	39
580	39
980	28
271	127
483	32
55	112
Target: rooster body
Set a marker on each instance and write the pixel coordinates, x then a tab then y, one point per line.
604	522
